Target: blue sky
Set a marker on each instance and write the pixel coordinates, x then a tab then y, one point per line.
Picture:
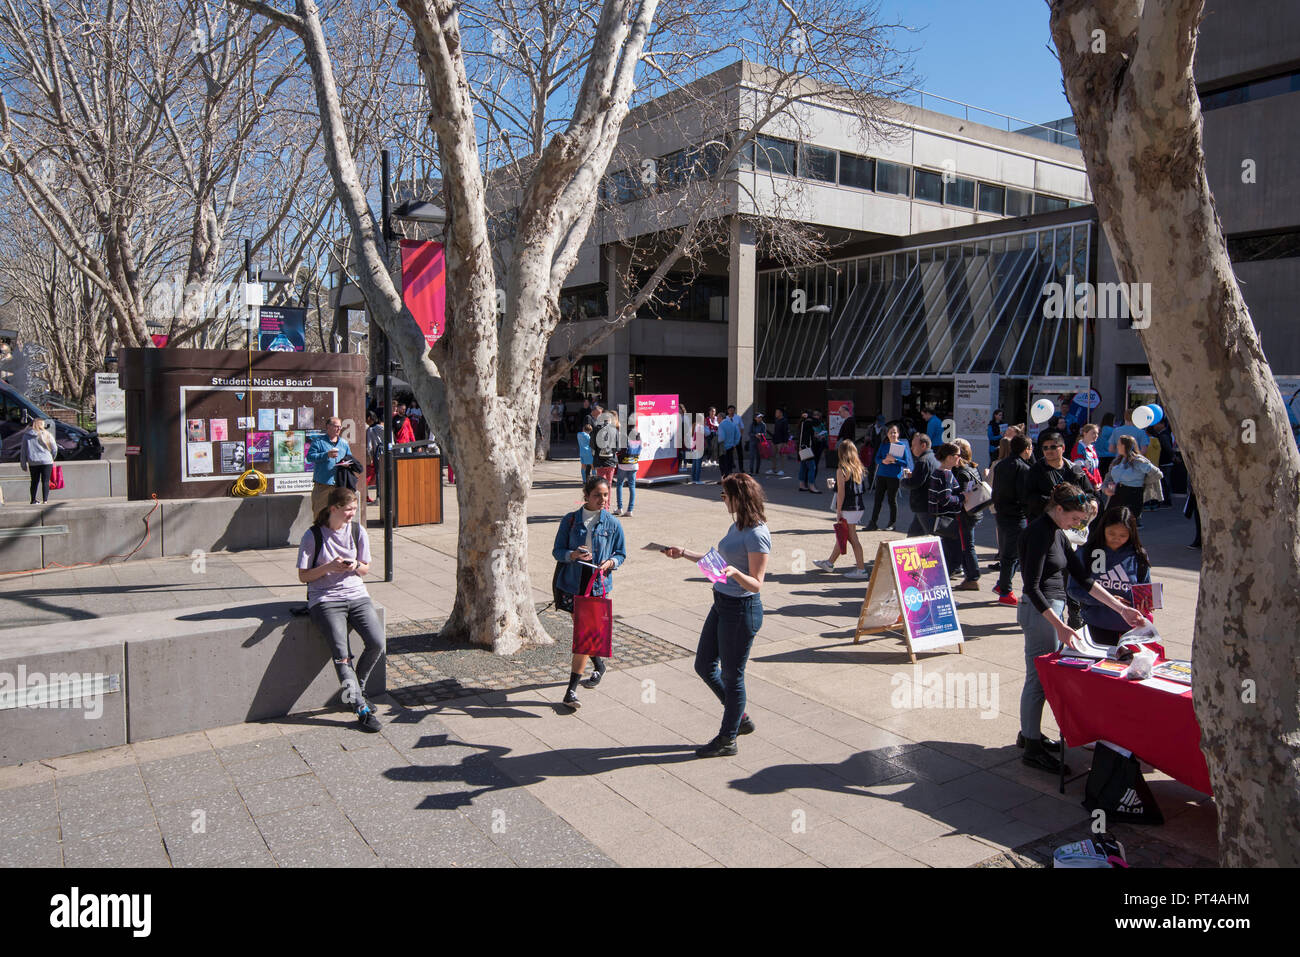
989	53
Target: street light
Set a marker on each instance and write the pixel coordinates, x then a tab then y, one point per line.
824	310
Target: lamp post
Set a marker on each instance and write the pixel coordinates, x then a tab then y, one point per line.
825	310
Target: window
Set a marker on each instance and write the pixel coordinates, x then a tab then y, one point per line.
929	186
960	192
1048	204
773	155
1279	245
817	163
1255	90
622	187
673	170
992	198
1019	203
892	178
704	161
857	171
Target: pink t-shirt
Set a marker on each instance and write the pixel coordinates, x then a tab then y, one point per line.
336	586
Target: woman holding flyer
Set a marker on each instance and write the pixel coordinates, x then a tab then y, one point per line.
736	567
588	541
1114	554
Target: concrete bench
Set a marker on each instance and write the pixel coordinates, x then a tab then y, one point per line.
81	480
93	530
155	674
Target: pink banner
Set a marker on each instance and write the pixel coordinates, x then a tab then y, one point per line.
656	421
424	285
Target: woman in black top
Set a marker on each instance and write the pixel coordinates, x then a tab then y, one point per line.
1046	556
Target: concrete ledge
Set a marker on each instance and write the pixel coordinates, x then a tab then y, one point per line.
287	519
90	479
95	532
213	524
180	670
20	554
64	727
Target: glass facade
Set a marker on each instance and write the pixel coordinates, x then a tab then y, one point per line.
929	186
969	307
892	178
857	171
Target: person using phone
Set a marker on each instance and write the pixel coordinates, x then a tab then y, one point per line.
588	540
337	599
737	612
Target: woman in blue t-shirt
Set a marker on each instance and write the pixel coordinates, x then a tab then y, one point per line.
737	612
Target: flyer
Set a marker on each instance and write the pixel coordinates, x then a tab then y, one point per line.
219	430
265	419
196	430
259	448
245	423
714	566
232	458
306	417
199	458
288	451
283	420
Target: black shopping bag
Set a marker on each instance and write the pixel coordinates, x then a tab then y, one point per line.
1115	784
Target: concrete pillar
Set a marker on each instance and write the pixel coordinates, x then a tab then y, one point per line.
617	346
741	306
891	399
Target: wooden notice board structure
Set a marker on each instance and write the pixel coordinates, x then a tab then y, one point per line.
909	592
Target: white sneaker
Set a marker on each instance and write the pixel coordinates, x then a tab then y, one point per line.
780	473
857	573
618	511
771	472
822	563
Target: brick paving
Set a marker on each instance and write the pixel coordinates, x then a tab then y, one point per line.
839	773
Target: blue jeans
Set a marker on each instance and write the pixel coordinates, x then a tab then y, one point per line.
586	473
697	464
755	456
1008	557
808	471
622	478
725	642
1040	639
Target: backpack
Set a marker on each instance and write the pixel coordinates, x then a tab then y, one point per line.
1116	786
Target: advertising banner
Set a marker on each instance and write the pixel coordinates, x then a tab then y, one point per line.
424	285
110	405
1061	390
929	610
282	329
974	399
656	420
837	412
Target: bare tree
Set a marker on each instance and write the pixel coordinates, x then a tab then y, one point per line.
1128	75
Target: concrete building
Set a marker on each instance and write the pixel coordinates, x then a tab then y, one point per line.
916	175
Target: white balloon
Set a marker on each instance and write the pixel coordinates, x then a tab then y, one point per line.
1041	411
1143	416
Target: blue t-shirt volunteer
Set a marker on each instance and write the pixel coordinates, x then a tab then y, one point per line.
735	548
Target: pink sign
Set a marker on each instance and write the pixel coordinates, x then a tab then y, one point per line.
656	420
424	286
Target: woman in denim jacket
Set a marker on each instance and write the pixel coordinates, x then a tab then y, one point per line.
588	538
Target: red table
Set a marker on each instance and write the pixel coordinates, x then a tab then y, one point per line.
1157	726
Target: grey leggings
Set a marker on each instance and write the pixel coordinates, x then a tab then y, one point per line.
1040	639
333	618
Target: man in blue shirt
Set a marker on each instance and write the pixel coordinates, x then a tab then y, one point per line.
933	427
729	436
327	453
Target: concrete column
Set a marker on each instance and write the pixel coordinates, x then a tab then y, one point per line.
617	345
741	306
891	399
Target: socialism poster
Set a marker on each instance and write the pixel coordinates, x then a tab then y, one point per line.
929	610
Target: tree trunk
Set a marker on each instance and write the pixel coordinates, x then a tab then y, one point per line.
1139	127
542	450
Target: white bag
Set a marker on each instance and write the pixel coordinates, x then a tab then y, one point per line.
977	495
805	454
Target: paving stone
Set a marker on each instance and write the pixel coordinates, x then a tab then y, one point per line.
265	747
345	849
304	825
835	844
182	786
121	783
745	846
548	842
282	764
257	858
31	849
283	794
445	840
86	820
28	809
138	847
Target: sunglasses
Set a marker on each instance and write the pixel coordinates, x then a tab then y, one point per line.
1046	447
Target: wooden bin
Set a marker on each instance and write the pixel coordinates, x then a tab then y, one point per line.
419	489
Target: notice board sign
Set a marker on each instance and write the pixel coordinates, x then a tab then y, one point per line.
221	438
656	421
909	592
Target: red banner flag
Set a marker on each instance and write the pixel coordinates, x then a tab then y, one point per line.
424	285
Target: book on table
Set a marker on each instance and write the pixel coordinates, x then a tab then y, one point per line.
1107	667
1173	670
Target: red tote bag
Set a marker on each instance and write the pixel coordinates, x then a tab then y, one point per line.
841	537
593	623
56	477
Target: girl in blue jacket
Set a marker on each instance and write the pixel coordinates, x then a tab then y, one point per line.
1114	555
588	539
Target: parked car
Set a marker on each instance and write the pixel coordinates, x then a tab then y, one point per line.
16	411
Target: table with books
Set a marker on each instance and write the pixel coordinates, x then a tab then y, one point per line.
1152	717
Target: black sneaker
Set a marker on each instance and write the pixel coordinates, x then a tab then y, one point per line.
367	720
873	527
597	673
1036	756
719	747
1048	744
571	700
746	725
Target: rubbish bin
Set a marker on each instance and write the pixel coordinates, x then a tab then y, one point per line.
418	497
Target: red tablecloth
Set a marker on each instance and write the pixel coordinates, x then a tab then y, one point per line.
1159	727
